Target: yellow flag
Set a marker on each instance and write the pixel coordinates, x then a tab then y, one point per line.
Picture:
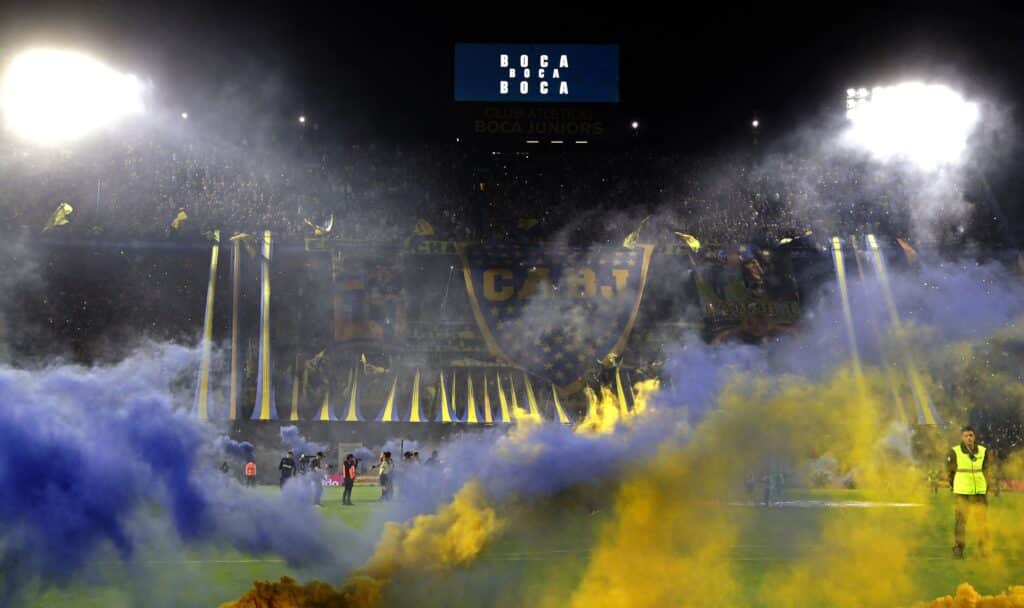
690	240
423	228
319	230
60	216
908	251
633	238
179	219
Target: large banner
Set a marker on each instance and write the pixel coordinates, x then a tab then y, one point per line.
555	311
751	299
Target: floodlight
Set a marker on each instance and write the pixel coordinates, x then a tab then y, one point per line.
51	96
927	124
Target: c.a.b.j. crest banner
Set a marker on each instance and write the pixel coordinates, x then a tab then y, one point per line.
555	311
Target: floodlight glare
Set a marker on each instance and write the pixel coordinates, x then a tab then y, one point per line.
184	115
755	123
302	120
51	96
927	124
635	125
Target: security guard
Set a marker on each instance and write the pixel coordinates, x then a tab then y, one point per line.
966	465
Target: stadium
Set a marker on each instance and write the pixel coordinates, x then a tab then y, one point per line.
414	310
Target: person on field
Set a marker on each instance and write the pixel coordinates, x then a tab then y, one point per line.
966	464
386	469
250	474
286	467
349	479
316	474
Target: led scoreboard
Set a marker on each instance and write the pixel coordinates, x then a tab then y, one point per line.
547	73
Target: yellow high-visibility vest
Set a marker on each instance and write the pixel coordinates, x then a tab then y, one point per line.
969	478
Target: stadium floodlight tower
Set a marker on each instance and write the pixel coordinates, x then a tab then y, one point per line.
53	96
925	124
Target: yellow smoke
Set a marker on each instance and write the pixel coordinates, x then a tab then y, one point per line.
603	412
606	412
452	537
672	515
669	542
644	391
967	597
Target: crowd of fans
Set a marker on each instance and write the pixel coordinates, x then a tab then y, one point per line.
136	187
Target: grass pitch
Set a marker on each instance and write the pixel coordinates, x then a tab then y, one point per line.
549	558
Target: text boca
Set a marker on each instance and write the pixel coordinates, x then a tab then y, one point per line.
548	75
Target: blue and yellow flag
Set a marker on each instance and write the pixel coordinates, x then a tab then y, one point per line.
554	311
60	217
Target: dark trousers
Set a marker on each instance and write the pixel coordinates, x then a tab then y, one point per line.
346	494
284	478
250	480
971	506
385	486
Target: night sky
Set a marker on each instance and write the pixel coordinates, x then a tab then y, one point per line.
387	73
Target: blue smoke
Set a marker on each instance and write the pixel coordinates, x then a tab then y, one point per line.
364	454
397	447
239	450
87	455
291	437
